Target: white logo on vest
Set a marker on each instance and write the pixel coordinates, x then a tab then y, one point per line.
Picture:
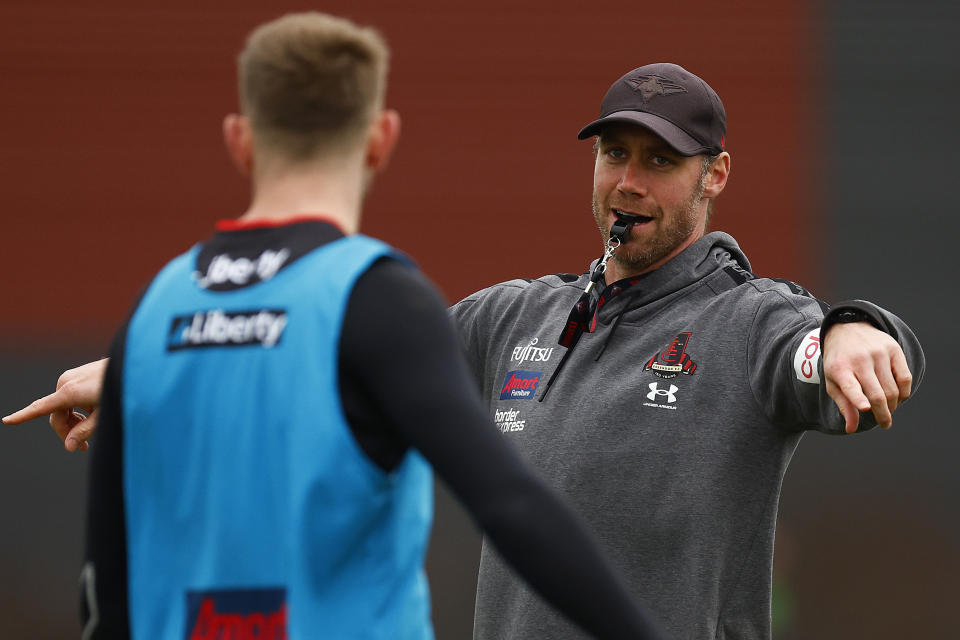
223	268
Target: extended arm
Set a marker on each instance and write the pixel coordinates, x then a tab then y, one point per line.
104	577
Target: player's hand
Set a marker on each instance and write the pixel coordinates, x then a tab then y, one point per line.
76	389
865	370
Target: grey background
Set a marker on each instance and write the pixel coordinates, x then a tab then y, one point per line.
870	525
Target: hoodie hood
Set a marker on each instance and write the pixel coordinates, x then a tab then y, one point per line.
715	250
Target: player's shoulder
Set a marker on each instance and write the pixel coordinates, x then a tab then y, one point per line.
396	280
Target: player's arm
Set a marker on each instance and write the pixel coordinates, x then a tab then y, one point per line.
414	371
77	388
103	594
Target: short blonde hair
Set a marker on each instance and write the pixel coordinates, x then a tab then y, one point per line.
311	82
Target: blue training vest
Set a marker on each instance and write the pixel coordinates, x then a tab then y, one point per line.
249	505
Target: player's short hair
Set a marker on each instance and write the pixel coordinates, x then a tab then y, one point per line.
311	83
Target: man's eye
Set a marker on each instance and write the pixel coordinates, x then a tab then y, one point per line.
617	152
661	161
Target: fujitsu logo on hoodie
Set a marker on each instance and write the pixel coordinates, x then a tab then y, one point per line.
520	385
531	352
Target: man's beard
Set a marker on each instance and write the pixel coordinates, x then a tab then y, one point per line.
635	257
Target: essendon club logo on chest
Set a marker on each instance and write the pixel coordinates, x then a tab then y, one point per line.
237	614
673	360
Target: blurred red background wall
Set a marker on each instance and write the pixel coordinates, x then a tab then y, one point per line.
112	159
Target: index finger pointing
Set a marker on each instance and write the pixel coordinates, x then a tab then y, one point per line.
38	408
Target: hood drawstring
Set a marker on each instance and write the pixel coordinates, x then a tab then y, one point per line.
578	322
553	376
583	315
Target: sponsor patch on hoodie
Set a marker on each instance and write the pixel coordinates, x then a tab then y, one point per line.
520	385
531	352
508	420
807	358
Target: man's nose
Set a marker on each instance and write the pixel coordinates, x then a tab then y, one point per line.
632	181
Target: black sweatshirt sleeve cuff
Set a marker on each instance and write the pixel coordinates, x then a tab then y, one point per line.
857	311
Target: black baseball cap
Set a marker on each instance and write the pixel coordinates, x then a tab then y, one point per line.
669	101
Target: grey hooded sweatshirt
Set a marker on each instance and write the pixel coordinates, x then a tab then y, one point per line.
668	427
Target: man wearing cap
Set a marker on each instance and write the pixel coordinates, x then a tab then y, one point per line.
682	382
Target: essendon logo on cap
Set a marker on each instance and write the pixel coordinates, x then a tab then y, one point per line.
651	85
520	385
673	360
237	614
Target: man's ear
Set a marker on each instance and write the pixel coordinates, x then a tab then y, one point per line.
383	136
238	138
717	174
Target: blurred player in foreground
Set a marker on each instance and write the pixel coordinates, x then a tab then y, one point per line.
682	382
261	466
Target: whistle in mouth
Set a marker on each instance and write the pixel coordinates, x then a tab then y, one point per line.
621	228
